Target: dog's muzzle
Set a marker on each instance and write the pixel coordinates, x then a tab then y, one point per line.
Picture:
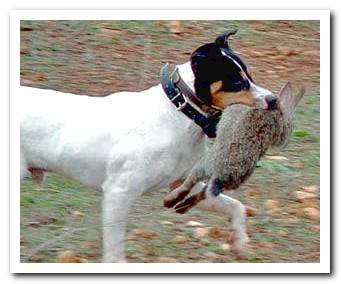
264	98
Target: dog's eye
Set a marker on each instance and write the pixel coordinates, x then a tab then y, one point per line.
243	85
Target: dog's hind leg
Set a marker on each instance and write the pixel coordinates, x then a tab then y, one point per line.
37	175
236	211
23	166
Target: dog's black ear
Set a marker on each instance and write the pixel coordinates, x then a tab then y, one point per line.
222	40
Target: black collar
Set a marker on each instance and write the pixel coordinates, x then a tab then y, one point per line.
185	100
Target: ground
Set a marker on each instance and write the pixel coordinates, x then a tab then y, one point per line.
62	218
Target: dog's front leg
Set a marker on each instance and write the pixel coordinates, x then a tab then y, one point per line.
116	204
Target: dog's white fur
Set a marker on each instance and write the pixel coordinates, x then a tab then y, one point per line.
124	144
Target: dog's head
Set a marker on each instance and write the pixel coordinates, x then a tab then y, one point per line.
222	78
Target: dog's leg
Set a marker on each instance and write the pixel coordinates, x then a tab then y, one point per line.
115	208
23	166
37	175
234	209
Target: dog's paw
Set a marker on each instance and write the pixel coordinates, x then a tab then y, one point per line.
238	241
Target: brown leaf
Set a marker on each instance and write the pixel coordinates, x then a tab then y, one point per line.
218	233
302	195
224	247
181	239
287	51
146	234
175	27
42	220
109	31
200	233
166	259
69	256
272	204
166	223
310	188
77	213
297	164
39	76
276	158
251	192
311	213
23	49
250	212
194	224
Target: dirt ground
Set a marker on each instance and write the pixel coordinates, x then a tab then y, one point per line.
102	57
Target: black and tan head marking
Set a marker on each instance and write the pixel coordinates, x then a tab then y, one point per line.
222	78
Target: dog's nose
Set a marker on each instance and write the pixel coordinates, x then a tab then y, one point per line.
271	100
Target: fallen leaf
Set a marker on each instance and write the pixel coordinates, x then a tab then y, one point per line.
282	233
200	233
181	239
166	223
311	213
69	256
109	31
38	189
287	51
316	228
310	188
194	224
250	212
77	213
256	53
42	220
276	158
211	255
297	164
302	195
251	192
23	49
218	233
293	220
166	259
39	76
175	27
224	247
146	234
272	204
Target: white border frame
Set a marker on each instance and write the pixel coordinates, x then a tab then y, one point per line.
322	15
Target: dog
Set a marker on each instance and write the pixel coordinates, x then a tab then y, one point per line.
128	143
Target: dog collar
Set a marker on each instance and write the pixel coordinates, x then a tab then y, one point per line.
185	100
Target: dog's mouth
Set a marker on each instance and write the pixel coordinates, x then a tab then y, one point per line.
264	98
269	102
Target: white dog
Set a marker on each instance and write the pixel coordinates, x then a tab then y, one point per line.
131	142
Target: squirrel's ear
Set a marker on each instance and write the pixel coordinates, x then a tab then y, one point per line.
289	100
